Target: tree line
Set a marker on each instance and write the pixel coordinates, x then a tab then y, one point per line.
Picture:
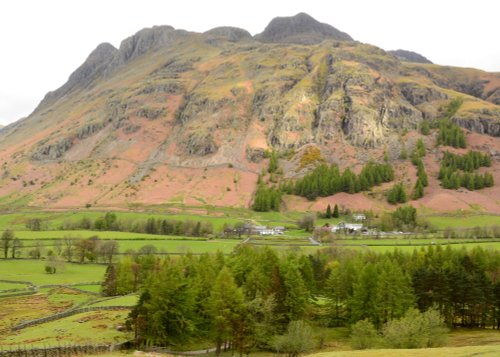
460	171
450	134
250	298
327	180
110	222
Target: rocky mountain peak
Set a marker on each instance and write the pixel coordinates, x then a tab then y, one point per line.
145	40
409	56
302	29
232	34
95	62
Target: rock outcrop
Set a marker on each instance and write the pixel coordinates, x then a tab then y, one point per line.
409	56
226	33
301	29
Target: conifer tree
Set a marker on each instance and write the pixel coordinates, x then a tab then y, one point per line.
418	191
335	213
226	307
425	128
328	213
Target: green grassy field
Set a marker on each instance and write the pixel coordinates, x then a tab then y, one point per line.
128	300
34	271
90	327
45	302
66	297
93	288
10	286
163	246
32	235
487	351
184	246
443	222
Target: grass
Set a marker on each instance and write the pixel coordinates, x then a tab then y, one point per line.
443	222
11	286
34	271
47	301
90	327
93	288
183	246
67	298
487	351
128	300
28	235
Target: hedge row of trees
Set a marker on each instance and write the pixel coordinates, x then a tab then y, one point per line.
458	171
397	194
110	222
327	180
267	199
250	298
450	134
422	179
469	162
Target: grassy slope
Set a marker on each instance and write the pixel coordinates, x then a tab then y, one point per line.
128	300
90	327
34	271
489	351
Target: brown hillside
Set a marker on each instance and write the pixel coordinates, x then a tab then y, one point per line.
175	116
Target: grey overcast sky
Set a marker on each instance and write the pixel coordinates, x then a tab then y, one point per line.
44	41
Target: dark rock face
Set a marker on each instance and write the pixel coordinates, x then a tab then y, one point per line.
200	145
494	96
169	88
255	154
53	151
409	56
231	34
480	125
416	94
89	130
301	29
146	40
150	113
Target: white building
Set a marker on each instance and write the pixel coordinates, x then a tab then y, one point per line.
359	216
347	227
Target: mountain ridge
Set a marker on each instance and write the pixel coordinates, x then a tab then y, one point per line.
178	116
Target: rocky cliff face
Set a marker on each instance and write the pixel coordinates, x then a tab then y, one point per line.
301	29
409	56
172	105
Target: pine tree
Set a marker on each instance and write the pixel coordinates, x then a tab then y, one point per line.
397	194
425	128
109	284
335	213
421	174
328	212
418	192
273	162
226	307
420	148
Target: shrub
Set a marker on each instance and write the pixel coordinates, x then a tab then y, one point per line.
416	330
364	335
298	339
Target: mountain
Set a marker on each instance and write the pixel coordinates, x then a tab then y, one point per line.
300	29
178	117
409	56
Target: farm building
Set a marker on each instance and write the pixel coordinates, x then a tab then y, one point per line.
347	227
